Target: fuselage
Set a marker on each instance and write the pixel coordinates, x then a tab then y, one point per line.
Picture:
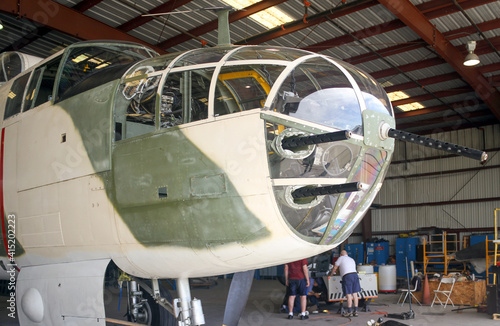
172	166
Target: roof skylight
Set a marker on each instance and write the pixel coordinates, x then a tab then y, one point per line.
270	18
399	95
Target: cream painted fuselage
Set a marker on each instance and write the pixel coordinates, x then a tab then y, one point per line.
176	168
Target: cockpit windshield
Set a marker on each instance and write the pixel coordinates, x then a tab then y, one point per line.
320	92
374	95
299	95
267	53
109	60
10	66
336	95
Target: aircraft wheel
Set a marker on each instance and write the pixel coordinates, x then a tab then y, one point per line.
152	314
166	318
145	315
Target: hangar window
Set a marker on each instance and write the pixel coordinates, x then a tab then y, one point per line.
15	96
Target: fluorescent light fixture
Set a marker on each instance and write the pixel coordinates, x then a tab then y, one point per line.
471	59
1	25
398	95
270	18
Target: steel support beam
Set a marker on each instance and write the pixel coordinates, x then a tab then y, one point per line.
437	108
442	203
366	226
427	97
458	126
443	78
424	82
140	20
312	20
417	44
67	20
480	49
86	5
361	34
435	10
449	116
446	7
413	18
212	25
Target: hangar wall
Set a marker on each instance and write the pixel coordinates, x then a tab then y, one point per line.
425	187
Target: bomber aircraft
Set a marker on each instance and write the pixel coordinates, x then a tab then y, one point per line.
207	162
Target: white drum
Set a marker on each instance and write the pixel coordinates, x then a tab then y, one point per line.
387	278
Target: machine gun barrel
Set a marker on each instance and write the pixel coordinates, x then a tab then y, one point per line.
292	142
437	144
328	190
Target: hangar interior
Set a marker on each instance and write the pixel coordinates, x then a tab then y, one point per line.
432	205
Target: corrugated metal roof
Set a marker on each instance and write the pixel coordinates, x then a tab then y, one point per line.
69	3
373	24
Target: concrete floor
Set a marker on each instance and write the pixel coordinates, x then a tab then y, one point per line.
266	297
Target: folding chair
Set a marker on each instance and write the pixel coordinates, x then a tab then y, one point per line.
446	293
403	291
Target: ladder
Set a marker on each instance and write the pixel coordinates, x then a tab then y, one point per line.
492	255
443	253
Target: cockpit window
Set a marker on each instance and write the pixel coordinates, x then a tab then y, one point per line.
266	52
15	97
200	56
184	97
10	66
151	65
44	86
244	87
318	91
33	88
110	62
374	95
135	106
142	96
143	105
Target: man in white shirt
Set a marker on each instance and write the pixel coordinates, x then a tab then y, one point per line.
350	282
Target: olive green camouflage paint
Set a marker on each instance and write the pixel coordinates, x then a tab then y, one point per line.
166	158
